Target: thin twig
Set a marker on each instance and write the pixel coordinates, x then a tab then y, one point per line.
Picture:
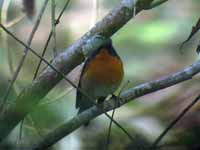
113	112
173	123
43	53
53	26
49	38
109	131
23	56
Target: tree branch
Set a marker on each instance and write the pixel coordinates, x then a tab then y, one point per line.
65	62
125	97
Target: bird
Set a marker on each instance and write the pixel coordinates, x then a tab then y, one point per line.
101	75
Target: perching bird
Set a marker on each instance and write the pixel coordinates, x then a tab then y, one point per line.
101	75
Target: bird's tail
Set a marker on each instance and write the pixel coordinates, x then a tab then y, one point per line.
83	103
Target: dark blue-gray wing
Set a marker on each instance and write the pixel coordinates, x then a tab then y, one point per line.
79	95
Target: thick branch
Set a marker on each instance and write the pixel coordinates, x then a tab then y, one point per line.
125	97
65	62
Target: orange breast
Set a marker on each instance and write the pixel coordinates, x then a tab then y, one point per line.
105	68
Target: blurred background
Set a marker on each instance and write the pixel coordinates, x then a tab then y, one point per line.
149	47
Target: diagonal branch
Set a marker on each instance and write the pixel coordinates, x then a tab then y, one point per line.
173	123
125	97
64	63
